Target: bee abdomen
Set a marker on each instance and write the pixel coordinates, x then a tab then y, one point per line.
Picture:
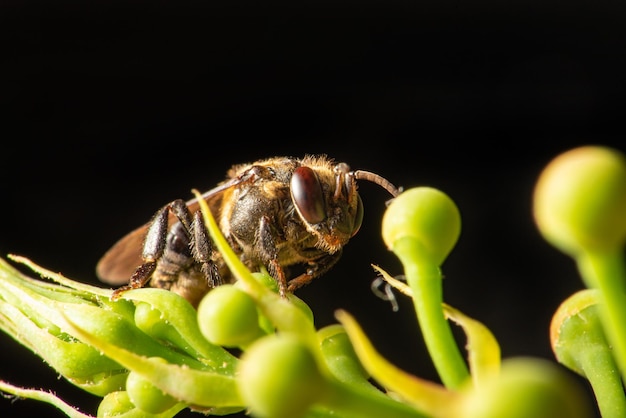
176	258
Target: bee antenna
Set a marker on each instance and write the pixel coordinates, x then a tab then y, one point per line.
375	178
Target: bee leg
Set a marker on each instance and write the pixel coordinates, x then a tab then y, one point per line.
200	241
138	280
301	280
269	254
316	268
153	248
202	249
179	208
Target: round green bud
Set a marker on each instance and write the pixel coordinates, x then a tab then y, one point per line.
527	387
114	404
580	200
145	396
279	377
229	317
426	215
149	320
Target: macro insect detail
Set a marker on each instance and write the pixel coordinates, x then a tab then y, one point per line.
283	213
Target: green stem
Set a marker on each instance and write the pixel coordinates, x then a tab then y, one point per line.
606	271
425	281
601	371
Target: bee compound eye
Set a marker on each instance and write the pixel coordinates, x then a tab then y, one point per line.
307	195
358	216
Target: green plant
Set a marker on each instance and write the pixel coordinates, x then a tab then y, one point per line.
151	354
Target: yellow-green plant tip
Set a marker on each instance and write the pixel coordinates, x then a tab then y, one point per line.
77	287
580	200
482	346
527	387
426	215
279	377
425	395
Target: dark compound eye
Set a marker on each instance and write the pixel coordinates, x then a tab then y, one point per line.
306	193
358	217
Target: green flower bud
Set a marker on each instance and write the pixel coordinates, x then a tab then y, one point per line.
428	216
279	377
151	321
228	316
580	200
340	356
579	343
147	397
421	226
527	387
119	404
576	326
115	404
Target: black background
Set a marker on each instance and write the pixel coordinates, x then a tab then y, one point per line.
111	109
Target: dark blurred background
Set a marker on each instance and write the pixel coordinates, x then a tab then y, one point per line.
111	109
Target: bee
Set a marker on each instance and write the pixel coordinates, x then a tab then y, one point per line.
280	213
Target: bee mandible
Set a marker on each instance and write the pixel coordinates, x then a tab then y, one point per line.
281	213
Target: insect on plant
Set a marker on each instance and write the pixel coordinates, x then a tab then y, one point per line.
279	212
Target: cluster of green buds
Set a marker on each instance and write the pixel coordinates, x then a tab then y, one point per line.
247	349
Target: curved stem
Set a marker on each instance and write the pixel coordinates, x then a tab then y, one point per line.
606	271
425	282
601	371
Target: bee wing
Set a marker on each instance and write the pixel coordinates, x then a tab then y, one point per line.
122	259
119	263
